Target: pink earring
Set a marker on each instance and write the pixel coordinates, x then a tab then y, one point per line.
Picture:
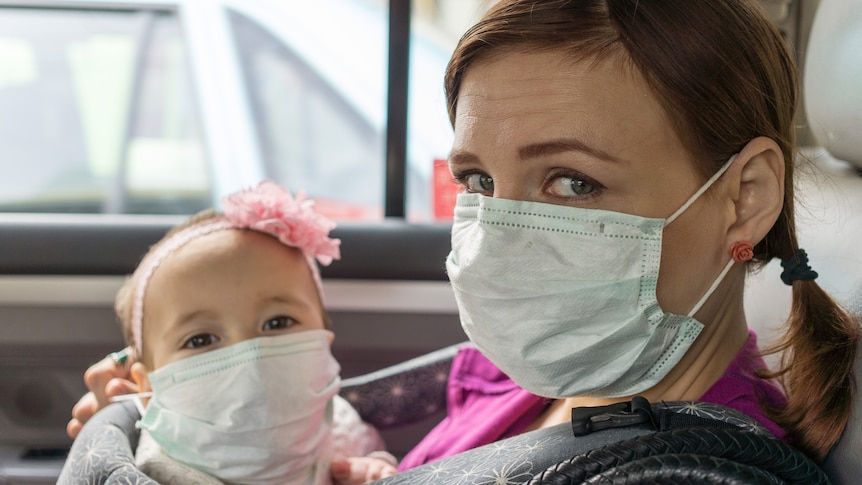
741	251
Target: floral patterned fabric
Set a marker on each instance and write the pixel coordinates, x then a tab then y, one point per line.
517	460
103	452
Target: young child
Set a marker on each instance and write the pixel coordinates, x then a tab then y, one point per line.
232	349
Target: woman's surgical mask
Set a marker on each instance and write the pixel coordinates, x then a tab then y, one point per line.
563	299
256	412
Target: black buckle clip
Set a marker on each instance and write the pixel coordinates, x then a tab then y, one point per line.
586	420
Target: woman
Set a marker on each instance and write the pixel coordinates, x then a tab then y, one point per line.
626	162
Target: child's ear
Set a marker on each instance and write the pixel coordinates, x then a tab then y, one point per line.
140	374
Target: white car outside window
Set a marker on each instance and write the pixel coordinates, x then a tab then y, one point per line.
161	107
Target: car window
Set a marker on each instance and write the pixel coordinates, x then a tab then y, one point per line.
96	114
313	137
322	129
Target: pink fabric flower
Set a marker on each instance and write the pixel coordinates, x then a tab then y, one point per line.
270	208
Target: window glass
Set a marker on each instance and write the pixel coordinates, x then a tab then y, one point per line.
322	129
317	92
96	114
436	27
97	110
166	168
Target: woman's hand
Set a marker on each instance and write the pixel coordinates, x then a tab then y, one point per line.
359	470
105	379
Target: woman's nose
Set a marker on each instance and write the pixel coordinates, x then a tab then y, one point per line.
511	189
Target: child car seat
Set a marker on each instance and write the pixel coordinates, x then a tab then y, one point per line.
704	443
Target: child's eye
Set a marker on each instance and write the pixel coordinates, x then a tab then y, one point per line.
200	340
279	323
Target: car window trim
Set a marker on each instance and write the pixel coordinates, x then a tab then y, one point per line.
400	14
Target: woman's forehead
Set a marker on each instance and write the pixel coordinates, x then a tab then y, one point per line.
522	95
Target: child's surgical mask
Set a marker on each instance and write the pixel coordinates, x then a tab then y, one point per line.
259	411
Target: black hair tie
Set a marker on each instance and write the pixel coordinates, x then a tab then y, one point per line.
796	268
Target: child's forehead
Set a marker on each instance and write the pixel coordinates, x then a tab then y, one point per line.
227	264
231	256
236	244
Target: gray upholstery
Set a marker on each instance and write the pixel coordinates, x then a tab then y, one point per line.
103	453
526	457
77	244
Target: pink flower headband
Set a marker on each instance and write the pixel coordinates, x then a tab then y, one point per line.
267	208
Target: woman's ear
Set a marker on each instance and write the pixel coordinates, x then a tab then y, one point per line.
140	374
757	190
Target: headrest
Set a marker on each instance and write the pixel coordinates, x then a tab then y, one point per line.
832	87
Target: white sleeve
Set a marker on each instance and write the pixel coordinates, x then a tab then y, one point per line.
352	437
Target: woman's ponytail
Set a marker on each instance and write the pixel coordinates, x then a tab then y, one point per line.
818	355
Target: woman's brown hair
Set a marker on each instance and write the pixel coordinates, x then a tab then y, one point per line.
725	75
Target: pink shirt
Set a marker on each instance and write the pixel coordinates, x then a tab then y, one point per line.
485	406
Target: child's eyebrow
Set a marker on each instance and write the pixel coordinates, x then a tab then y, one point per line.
287	299
186	318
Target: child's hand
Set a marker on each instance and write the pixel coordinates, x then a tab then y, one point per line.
105	379
359	470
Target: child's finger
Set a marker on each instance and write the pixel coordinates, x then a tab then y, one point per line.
340	469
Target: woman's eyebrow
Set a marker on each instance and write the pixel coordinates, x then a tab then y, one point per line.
535	150
461	157
563	145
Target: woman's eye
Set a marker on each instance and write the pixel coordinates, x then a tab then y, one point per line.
478	182
569	186
278	323
200	340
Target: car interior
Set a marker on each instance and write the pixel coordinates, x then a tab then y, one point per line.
397	325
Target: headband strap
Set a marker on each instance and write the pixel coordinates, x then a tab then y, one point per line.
796	268
268	208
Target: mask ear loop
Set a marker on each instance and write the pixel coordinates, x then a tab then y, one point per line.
682	209
700	191
136	398
711	289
